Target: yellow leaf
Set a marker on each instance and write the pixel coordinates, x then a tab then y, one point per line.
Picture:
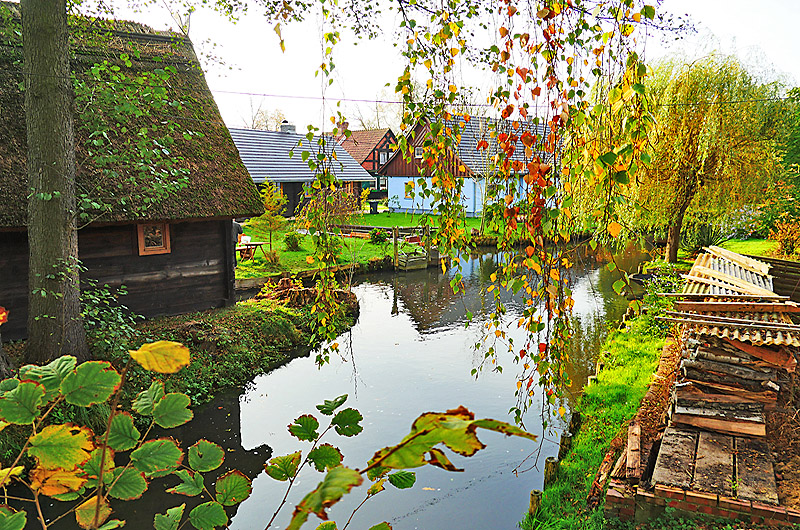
164	356
554	275
7	473
453	89
614	228
428	63
309	259
56	481
3	424
519	385
562	411
84	513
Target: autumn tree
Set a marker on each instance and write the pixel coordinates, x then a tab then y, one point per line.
274	205
715	146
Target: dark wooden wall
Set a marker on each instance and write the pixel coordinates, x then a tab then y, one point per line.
197	274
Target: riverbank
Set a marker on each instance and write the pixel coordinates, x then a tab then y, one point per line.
630	356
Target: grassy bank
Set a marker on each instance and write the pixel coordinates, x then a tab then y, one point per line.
753	247
606	406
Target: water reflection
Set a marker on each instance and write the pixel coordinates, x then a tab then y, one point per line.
410	352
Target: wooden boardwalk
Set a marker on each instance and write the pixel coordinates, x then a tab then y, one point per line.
731	466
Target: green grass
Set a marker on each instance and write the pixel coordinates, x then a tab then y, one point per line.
388	219
753	247
632	356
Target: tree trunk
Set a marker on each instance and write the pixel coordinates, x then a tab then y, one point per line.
6	368
55	327
673	239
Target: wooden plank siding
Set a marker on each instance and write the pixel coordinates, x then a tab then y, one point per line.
197	274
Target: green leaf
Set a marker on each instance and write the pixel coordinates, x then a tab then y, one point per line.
21	405
205	456
649	12
50	375
123	434
7	385
147	399
208	516
346	422
381	526
608	158
64	446
327	525
112	524
233	487
328	407
376	472
305	428
325	457
402	479
283	467
172	410
90	383
11	520
621	177
128	484
171	520
191	483
157	458
618	286
92	467
337	482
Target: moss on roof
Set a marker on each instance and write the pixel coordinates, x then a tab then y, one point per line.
218	183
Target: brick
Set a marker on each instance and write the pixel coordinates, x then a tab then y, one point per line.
706	509
669	493
778	513
735	505
706	499
756	519
643	495
626	513
793	516
719	512
683	505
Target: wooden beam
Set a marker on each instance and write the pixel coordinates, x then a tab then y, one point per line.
759	267
633	452
751	307
715	283
734	321
766	396
754	473
675	461
748	287
714	323
781	358
721	295
714	470
721	426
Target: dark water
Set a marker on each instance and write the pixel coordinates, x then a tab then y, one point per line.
410	352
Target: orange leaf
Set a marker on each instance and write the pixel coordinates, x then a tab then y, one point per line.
3	315
56	481
309	259
614	228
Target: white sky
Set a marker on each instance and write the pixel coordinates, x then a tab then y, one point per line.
762	33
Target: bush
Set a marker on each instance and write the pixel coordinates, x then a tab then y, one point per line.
695	236
787	234
377	236
272	257
292	240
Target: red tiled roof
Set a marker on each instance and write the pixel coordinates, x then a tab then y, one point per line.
362	143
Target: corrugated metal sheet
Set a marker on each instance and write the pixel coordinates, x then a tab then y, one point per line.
744	333
726	267
266	156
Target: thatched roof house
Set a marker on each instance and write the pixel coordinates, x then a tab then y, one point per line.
157	172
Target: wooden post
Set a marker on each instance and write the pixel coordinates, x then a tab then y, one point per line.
565	445
395	236
428	246
535	502
550	470
575	422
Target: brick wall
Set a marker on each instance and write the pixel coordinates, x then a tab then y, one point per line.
633	503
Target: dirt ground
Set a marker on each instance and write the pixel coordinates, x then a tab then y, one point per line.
783	435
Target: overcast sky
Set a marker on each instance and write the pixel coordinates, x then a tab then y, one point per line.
257	74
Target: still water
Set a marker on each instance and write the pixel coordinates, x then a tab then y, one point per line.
410	352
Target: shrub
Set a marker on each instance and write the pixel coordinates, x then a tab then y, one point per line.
787	234
701	234
292	240
272	257
377	236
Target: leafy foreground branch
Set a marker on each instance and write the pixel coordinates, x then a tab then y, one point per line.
83	469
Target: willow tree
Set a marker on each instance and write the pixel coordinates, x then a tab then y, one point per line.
715	146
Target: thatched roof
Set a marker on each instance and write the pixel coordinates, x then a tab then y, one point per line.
218	184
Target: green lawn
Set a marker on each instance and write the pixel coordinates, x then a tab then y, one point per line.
388	219
753	247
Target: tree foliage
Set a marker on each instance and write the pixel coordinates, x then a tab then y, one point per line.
716	145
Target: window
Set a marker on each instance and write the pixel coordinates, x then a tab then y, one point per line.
409	189
418	152
153	238
383	157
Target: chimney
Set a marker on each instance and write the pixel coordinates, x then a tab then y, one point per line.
287	127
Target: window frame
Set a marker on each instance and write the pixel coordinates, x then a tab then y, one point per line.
144	250
419	151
